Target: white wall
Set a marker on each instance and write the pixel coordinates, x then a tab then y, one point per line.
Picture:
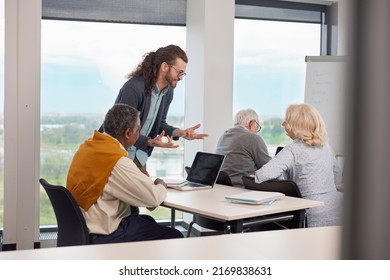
209	83
343	29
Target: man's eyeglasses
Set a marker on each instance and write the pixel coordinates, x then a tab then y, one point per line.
180	74
258	126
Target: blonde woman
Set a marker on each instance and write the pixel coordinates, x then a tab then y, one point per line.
310	162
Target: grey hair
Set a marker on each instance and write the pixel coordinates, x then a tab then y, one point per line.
119	118
244	116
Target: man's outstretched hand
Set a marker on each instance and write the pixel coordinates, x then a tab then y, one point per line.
158	141
191	134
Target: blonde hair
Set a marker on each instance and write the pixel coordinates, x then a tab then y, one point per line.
244	116
306	123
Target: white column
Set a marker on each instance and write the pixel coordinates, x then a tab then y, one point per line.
343	19
209	83
21	122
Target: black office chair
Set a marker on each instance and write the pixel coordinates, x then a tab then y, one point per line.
278	149
287	187
72	229
223	179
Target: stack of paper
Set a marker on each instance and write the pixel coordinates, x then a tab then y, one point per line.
255	197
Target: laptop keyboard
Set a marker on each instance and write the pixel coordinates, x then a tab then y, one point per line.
190	184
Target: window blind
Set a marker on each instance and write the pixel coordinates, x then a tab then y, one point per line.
166	12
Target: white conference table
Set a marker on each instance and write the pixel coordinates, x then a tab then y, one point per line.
211	203
322	243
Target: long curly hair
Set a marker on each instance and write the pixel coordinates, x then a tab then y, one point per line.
306	124
148	68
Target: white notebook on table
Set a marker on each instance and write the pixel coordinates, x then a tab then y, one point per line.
255	197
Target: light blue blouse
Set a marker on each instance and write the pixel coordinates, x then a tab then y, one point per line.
316	172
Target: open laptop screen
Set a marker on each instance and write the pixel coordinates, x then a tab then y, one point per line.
205	168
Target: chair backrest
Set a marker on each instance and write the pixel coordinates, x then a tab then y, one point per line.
287	187
223	177
278	149
72	228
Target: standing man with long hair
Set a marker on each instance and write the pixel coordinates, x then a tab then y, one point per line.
150	90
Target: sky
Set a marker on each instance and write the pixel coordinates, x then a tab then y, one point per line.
81	72
95	67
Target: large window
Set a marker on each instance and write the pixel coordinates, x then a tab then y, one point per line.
82	72
269	70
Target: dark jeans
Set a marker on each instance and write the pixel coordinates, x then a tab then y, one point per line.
137	228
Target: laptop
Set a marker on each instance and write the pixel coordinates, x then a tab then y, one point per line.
202	175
